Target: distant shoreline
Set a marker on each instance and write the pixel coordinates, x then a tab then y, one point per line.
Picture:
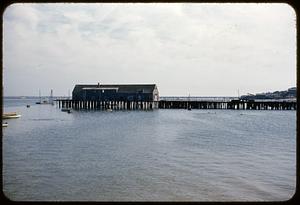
179	96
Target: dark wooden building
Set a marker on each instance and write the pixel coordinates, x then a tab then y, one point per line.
116	92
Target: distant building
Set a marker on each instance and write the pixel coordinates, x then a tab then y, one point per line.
116	92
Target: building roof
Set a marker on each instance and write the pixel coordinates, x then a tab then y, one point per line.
125	88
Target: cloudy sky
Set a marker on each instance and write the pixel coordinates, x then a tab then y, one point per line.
201	49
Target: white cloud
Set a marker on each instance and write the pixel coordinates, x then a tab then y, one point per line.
204	49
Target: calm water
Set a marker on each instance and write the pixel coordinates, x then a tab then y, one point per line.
160	155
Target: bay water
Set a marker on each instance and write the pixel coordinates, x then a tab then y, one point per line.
158	155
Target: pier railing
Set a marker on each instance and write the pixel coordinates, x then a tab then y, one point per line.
183	98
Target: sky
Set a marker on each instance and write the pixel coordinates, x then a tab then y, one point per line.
185	48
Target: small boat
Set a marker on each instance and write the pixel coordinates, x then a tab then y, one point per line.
10	115
109	110
4	124
44	102
66	110
27	105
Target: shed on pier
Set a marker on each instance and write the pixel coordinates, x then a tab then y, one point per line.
116	92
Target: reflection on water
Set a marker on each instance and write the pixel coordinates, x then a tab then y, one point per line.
160	155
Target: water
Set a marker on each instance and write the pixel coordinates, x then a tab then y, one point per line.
160	155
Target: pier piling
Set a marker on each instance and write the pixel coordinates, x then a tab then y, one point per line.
149	105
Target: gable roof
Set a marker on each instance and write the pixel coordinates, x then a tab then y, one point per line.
124	88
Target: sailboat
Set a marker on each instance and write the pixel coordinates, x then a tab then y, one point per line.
50	101
40	102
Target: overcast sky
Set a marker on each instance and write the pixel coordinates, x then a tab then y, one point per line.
201	49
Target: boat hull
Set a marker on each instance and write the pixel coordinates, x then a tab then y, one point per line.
66	110
10	116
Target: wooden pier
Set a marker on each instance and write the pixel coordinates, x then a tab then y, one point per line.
233	105
176	104
104	105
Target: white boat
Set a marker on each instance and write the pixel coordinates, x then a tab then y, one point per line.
11	115
4	124
109	110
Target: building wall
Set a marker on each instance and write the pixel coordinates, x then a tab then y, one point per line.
110	95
